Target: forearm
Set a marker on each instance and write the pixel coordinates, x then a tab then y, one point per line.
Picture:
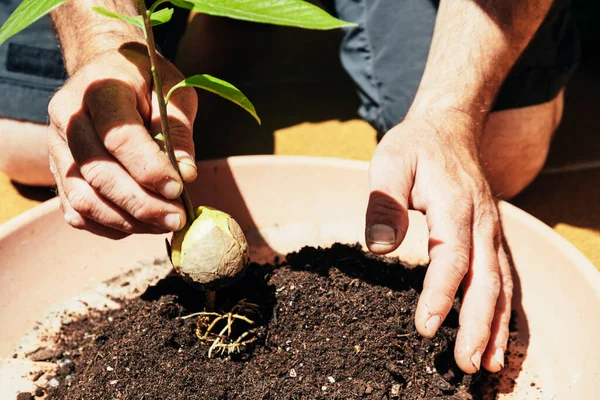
474	46
84	34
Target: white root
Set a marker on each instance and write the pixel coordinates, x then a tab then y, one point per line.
223	342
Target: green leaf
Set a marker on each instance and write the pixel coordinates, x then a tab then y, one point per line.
161	17
137	21
296	13
217	86
26	14
158	18
160	137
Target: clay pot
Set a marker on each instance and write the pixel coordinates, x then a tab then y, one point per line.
283	203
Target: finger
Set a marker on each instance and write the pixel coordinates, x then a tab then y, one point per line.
481	289
450	237
391	178
113	109
493	358
72	217
83	207
108	178
181	111
76	220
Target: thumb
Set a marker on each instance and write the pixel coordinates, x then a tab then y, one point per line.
181	112
391	180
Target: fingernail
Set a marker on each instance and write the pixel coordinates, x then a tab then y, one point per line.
476	359
188	169
381	234
171	189
187	160
432	324
499	356
172	222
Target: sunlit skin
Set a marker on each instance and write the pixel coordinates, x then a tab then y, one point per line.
114	180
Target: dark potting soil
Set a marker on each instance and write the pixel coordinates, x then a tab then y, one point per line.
333	323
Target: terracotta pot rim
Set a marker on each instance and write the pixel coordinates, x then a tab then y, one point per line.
586	268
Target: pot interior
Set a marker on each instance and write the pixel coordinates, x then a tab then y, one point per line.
285	203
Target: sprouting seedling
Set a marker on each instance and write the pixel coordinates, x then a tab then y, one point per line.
208	265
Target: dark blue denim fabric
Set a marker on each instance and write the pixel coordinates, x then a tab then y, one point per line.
31	69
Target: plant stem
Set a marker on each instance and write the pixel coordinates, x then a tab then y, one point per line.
210	299
162	106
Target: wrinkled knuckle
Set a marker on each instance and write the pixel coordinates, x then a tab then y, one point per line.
493	285
462	254
152	172
462	265
146	179
116	86
80	202
381	204
447	300
508	287
141	209
147	165
56	110
54	106
58	101
486	219
462	205
457	273
97	175
118	142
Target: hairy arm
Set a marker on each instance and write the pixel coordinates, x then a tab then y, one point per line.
475	44
112	176
83	33
430	162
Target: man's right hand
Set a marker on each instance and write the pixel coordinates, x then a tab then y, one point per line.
112	176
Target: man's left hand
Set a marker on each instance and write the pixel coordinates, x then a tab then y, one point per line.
435	169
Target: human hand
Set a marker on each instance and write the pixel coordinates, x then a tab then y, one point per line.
435	169
112	177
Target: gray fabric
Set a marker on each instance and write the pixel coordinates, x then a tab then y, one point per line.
31	70
385	55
